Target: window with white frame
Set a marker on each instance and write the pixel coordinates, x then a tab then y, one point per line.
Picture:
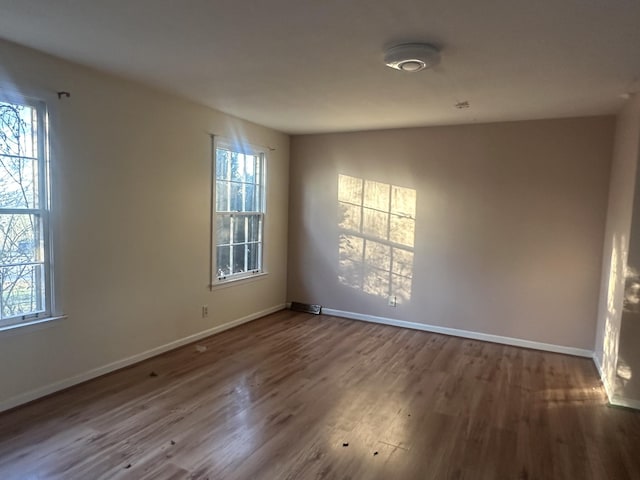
239	211
24	216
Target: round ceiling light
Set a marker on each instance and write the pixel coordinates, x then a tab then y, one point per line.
412	57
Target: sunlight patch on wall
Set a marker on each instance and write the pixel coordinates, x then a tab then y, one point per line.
377	233
612	330
631	290
613	275
630	313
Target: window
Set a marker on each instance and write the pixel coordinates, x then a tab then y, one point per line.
239	211
24	215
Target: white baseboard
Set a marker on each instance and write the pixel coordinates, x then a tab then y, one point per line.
125	362
517	342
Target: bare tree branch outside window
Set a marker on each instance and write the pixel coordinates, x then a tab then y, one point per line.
22	258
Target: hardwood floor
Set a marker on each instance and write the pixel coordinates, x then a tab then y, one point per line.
297	396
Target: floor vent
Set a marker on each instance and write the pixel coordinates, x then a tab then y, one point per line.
305	307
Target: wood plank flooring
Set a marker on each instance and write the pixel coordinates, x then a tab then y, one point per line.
297	396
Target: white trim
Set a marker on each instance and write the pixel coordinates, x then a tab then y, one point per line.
607	388
486	337
233	281
239	145
30	323
125	362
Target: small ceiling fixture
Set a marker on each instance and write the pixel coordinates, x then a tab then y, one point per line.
412	57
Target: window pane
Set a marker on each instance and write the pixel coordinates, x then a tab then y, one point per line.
253	256
222	197
22	290
239	229
237	167
250	169
223	261
223	229
20	235
254	228
222	164
238	258
18	127
18	182
235	197
251	205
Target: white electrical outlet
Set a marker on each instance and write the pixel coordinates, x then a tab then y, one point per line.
392	301
205	311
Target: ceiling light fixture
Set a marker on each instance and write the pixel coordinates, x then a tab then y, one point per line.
412	57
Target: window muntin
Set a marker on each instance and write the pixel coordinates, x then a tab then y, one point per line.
24	216
239	212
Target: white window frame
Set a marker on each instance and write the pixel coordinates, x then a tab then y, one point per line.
42	211
217	278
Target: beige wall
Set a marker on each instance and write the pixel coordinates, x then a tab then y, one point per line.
131	187
616	240
507	234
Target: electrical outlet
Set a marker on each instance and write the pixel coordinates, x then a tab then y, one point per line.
392	301
205	311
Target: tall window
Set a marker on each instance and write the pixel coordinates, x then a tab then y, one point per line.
239	211
24	220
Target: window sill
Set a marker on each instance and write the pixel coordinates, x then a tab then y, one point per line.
30	323
220	284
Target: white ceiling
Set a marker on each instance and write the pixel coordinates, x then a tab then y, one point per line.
303	66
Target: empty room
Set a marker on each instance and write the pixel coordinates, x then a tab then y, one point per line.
339	240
